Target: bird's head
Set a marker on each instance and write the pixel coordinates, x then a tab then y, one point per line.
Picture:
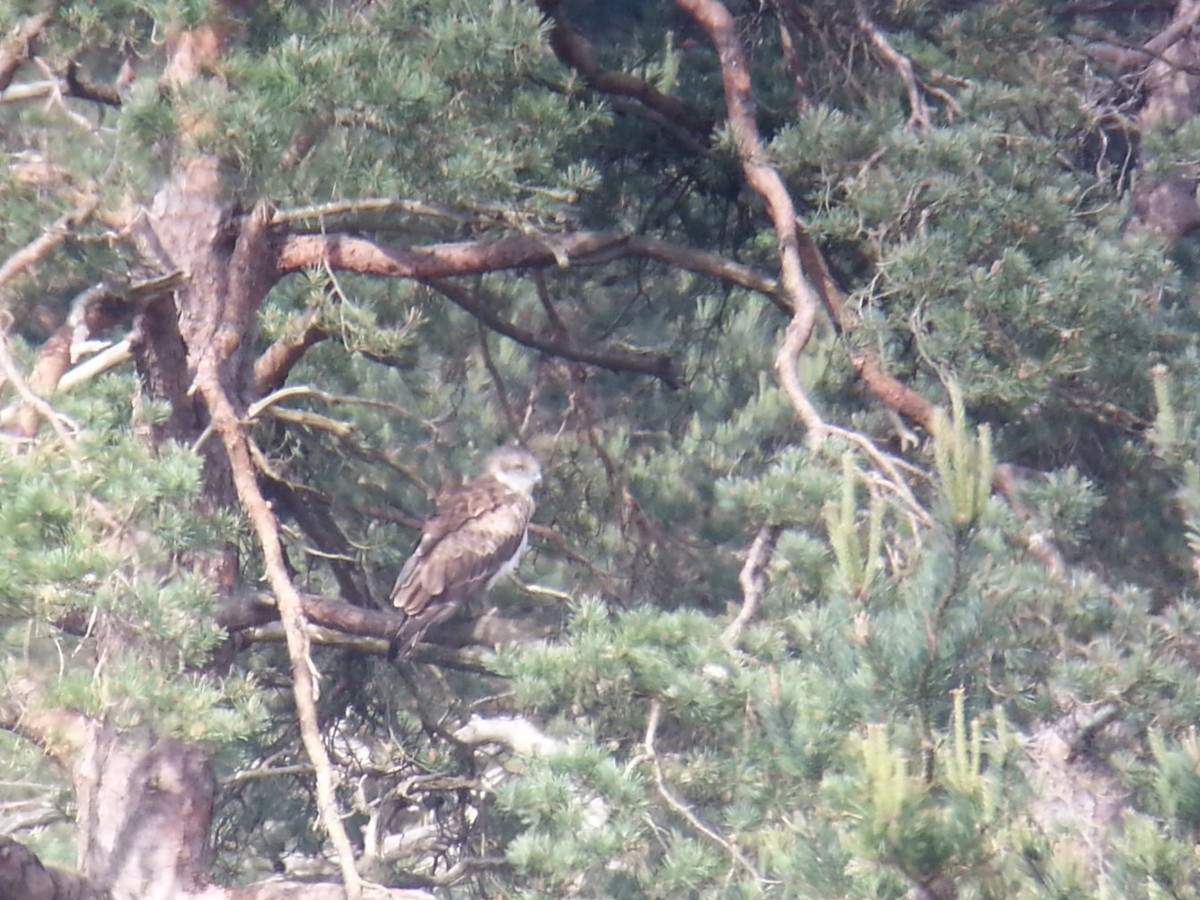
514	467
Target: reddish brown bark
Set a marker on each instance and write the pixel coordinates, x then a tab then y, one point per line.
441	260
764	180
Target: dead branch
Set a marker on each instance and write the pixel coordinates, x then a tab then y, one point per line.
17	48
515	732
573	50
109	358
291	610
248	282
656	365
918	117
791	27
23	419
73	83
321	211
36	249
753	580
649	752
762	177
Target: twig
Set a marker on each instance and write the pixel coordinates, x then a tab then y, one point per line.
58	232
367	204
540	590
12	373
650	753
108	358
918	117
753	580
514	424
657	365
890	466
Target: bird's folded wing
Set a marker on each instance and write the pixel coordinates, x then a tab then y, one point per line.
475	531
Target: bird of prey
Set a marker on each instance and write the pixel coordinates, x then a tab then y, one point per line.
475	538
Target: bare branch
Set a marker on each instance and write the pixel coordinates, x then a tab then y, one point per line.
889	391
36	249
17	48
651	753
918	117
573	50
564	250
753	580
762	177
109	358
644	363
321	211
248	283
272	367
24	417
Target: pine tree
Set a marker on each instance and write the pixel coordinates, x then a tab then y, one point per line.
858	344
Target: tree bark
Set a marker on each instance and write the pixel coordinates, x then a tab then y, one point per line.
1168	205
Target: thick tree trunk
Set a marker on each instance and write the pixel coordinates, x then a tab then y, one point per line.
145	803
145	807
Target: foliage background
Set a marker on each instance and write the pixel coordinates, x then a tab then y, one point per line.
972	669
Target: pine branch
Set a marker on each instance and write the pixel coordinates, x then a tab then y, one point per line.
248	283
753	580
656	365
16	49
650	753
574	51
569	249
764	180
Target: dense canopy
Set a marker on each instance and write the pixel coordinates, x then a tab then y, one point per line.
858	345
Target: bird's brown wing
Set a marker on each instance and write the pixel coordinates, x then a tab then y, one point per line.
476	529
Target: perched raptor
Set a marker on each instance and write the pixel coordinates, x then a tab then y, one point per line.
475	538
